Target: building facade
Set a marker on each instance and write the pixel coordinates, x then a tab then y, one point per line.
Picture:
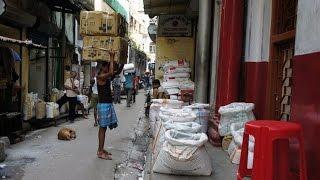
260	51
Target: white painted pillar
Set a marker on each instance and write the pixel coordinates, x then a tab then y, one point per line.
254	30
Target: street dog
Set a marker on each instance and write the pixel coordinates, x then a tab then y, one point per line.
66	134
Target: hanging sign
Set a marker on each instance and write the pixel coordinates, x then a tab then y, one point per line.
174	26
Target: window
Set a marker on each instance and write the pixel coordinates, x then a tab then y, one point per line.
152	48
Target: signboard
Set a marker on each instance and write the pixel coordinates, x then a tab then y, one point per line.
174	26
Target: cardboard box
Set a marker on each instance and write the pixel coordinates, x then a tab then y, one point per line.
96	48
96	23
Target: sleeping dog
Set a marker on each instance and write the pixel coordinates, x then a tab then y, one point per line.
66	134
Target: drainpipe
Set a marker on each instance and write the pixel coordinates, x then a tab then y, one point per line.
230	50
215	50
203	51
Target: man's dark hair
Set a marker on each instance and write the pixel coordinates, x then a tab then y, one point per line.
156	82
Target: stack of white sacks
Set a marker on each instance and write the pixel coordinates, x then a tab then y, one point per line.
179	138
176	77
232	122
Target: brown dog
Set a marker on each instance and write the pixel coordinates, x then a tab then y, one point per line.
66	134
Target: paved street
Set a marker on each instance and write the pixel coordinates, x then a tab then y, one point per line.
42	156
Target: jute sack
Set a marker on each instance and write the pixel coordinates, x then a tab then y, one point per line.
40	109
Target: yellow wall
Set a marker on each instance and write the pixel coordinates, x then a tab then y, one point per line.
174	48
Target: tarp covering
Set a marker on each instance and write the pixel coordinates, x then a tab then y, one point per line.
114	4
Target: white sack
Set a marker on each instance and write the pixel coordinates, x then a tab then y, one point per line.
173	97
153	116
173	70
237	131
202	112
176	115
177	80
186	85
233	113
155	108
183	154
172	91
187	127
129	66
168	85
168	103
236	156
199	106
52	110
177	75
176	64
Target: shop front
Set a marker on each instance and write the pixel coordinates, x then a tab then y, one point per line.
13	66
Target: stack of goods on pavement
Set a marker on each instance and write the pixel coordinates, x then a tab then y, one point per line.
103	32
202	112
231	128
155	109
176	79
40	109
29	110
178	146
52	110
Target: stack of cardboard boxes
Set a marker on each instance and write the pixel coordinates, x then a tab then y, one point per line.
101	33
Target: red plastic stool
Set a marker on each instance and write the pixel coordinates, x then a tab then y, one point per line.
271	142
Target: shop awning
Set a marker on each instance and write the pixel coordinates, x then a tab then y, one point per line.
10	13
70	6
117	7
162	7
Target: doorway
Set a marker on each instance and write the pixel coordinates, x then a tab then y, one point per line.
284	15
37	72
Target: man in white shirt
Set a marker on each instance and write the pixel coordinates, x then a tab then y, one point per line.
72	90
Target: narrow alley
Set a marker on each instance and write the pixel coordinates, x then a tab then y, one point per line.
159	89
